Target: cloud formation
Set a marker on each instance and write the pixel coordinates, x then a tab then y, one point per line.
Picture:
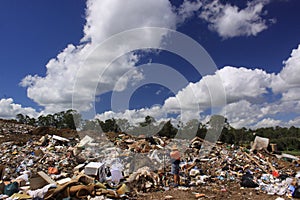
9	109
188	9
247	92
231	21
95	70
85	63
288	82
82	64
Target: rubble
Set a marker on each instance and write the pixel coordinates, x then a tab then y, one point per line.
57	165
9	127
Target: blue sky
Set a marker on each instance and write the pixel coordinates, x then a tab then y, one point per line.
48	47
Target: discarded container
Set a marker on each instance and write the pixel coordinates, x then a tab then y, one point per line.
92	168
260	143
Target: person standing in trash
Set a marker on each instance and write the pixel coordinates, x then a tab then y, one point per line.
175	160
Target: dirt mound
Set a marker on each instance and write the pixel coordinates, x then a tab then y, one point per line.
233	192
20	134
66	133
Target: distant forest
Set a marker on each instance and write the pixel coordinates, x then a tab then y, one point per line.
287	139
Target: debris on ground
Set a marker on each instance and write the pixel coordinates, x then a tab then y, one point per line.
46	163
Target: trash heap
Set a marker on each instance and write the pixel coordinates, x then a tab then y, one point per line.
6	127
121	166
225	165
9	130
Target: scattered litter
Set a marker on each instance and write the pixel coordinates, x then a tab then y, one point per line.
118	165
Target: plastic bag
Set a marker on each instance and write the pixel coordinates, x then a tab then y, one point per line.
247	181
11	188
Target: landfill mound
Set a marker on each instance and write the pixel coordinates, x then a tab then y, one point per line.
18	133
13	131
49	163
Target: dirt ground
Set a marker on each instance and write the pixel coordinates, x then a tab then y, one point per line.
232	192
35	134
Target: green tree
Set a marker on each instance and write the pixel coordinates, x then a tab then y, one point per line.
148	120
42	121
91	125
31	121
168	130
109	125
216	124
202	130
21	118
189	130
124	124
69	119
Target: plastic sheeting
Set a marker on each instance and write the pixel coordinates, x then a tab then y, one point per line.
116	173
260	143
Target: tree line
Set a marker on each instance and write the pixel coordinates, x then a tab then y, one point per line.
60	120
287	139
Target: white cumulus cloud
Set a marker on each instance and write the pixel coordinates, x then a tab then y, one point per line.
242	113
294	122
246	104
287	82
103	59
9	109
231	21
269	122
88	66
243	83
134	116
188	9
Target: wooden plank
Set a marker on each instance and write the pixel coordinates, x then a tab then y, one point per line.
37	183
2	171
270	165
255	161
47	178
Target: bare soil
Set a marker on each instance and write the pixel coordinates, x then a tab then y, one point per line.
211	192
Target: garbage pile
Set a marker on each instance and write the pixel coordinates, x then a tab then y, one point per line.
6	127
261	170
121	166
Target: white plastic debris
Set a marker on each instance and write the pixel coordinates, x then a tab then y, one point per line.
85	140
56	137
260	143
92	168
116	173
